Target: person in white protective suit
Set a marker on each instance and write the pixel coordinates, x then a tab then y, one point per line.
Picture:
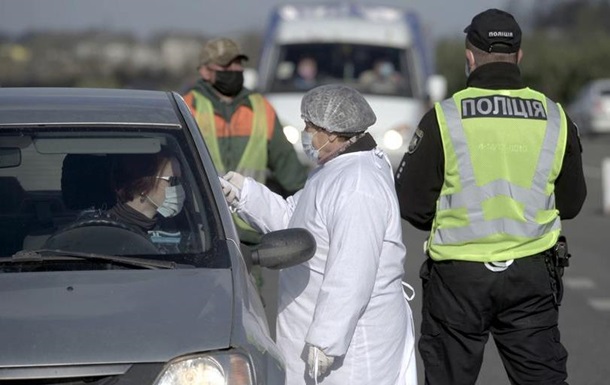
342	315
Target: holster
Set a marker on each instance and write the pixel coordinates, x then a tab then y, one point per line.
561	254
557	259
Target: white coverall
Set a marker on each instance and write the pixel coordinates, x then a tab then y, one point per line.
348	299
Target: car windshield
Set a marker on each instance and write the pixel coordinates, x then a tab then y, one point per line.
104	191
370	69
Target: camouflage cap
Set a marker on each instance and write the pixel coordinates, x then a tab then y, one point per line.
220	51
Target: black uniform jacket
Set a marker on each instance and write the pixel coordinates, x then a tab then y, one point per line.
419	178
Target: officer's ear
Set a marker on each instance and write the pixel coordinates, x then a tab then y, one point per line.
470	60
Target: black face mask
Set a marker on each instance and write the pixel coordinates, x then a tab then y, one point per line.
229	83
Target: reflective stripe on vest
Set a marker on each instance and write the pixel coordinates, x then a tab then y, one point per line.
253	162
470	198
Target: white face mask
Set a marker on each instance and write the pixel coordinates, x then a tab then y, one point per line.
173	202
467	69
307	141
386	69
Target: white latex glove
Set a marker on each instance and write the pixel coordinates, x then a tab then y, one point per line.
318	363
235	179
231	193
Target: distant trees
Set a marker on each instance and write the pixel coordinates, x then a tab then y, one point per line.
565	43
167	61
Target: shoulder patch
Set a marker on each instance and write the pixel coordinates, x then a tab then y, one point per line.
415	140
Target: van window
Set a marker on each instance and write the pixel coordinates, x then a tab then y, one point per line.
367	68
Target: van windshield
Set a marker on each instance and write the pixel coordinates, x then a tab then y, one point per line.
367	68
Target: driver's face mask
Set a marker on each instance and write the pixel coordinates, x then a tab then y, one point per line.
173	202
174	198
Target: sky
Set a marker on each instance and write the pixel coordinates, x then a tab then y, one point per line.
207	17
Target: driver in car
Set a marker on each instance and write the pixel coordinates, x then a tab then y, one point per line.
147	188
147	185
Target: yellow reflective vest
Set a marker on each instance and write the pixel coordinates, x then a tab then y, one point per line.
253	162
503	152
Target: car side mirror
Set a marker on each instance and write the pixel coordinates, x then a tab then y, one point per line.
283	248
10	157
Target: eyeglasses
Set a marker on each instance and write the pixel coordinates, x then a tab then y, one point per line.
172	180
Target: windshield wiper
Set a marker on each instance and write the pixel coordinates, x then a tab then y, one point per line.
62	255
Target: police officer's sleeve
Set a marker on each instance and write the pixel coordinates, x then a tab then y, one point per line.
419	177
287	170
570	186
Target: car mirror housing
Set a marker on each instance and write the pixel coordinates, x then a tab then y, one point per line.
283	248
10	157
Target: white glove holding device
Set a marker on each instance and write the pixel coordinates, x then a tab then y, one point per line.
235	179
231	193
318	362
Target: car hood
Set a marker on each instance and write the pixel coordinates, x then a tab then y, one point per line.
127	316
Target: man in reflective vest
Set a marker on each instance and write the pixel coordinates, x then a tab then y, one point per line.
240	127
491	172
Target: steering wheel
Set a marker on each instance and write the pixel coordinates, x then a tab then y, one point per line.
101	236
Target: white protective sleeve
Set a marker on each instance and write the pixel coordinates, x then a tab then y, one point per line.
263	209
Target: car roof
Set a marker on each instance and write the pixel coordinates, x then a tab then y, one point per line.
87	106
600	84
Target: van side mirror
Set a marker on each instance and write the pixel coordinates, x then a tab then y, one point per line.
283	248
436	87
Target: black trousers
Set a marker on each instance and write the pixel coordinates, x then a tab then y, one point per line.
464	301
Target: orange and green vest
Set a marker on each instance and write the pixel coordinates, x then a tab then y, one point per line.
253	161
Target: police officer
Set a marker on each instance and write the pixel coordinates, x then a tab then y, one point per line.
491	172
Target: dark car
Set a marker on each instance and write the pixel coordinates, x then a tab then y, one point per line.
86	299
590	109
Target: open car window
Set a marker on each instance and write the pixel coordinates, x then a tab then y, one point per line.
57	187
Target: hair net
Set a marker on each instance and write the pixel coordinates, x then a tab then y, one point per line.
337	108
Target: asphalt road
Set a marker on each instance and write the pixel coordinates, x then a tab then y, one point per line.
585	312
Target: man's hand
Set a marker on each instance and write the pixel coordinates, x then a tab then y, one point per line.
318	363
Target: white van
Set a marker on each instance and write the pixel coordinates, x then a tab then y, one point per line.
378	50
